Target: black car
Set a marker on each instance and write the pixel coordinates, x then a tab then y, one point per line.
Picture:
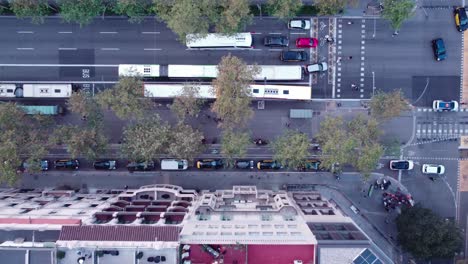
268	165
311	164
105	165
439	49
276	41
210	164
34	165
244	164
294	56
461	20
141	166
72	164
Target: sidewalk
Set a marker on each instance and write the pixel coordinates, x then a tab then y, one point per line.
464	77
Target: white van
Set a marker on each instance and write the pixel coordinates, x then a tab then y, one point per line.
174	164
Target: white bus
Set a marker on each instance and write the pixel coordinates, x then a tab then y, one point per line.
47	90
144	71
7	90
219	41
261	92
267	72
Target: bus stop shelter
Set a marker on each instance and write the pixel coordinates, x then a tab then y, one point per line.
300	113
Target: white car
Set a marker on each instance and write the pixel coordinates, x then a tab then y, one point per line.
401	165
318	67
439	106
299	24
433	169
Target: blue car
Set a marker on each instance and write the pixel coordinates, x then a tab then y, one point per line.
438	46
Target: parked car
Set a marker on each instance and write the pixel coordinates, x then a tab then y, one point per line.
433	169
245	164
276	41
141	166
438	46
210	164
461	20
299	24
42	165
268	165
318	67
306	42
401	165
439	106
73	164
312	164
174	164
105	165
294	56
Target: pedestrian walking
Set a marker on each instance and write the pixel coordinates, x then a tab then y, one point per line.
338	60
350	57
354	86
350	22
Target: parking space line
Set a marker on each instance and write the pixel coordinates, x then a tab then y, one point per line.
108	32
67	48
151	49
110	49
25	32
150	32
65	32
25	48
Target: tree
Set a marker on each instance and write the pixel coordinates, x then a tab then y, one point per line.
134	9
187	103
89	142
388	105
232	92
80	11
354	143
126	98
234	145
235	16
36	9
284	9
22	136
397	11
330	7
292	149
146	139
185	142
426	235
80	103
180	15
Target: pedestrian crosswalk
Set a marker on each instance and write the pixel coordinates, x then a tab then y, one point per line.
440	129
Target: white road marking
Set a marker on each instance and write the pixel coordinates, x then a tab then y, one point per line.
67	48
298	33
65	32
25	48
256	33
151	49
274	49
25	32
274	33
59	65
110	49
150	32
108	32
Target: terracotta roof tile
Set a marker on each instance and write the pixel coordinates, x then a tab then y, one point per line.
120	233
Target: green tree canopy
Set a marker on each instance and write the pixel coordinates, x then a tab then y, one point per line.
134	9
388	105
80	11
234	145
292	149
185	142
330	7
36	9
232	92
284	9
23	136
355	143
89	142
397	11
235	16
188	102
126	98
146	139
426	235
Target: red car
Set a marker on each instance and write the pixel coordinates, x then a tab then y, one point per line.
306	42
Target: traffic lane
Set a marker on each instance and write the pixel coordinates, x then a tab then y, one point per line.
85	73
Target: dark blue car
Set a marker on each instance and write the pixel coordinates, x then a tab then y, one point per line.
439	49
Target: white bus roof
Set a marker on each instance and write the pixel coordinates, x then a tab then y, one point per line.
139	70
217	41
192	71
286	92
279	72
7	90
47	90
